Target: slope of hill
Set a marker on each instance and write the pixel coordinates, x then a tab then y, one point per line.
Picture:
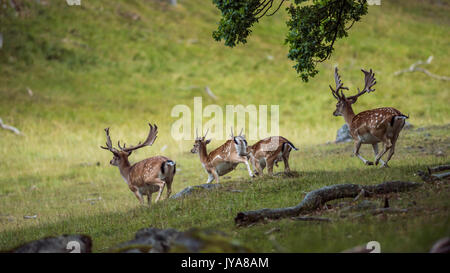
125	63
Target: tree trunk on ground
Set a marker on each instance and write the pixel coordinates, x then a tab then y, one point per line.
317	198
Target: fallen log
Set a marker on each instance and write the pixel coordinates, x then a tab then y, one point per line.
415	67
440	176
317	198
432	173
306	218
438	168
387	211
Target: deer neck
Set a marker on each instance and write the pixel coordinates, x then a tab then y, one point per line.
348	115
203	154
124	168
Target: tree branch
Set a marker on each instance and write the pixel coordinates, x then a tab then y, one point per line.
279	6
10	128
259	17
415	67
330	48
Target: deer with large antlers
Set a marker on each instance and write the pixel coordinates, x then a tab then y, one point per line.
371	126
147	176
225	158
270	151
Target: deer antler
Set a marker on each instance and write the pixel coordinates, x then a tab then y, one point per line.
339	86
148	142
109	146
207	130
369	81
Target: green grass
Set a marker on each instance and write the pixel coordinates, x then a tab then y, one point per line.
90	67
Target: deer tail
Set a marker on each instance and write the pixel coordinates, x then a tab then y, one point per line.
168	167
288	143
397	117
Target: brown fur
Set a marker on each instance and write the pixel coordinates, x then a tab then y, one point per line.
147	176
143	178
373	121
226	154
269	151
371	126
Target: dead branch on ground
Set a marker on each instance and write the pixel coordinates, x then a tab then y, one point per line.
316	199
10	128
415	67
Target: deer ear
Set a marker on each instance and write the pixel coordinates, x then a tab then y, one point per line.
208	141
129	153
352	100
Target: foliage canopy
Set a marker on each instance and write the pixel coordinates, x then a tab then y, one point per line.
314	26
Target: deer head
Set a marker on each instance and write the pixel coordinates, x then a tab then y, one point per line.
240	141
200	142
344	102
124	152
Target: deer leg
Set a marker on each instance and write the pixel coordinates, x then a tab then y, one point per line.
245	161
270	162
161	185
386	147
255	166
139	196
161	188
262	164
398	127
375	151
210	178
248	168
216	176
286	162
390	154
356	152
169	190
259	170
149	199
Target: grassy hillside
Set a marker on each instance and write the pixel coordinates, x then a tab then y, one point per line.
96	66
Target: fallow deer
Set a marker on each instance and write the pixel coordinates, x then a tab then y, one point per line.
147	176
225	158
268	152
371	126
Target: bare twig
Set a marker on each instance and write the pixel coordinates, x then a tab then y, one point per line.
415	67
30	92
361	193
431	174
279	6
272	230
210	93
10	128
